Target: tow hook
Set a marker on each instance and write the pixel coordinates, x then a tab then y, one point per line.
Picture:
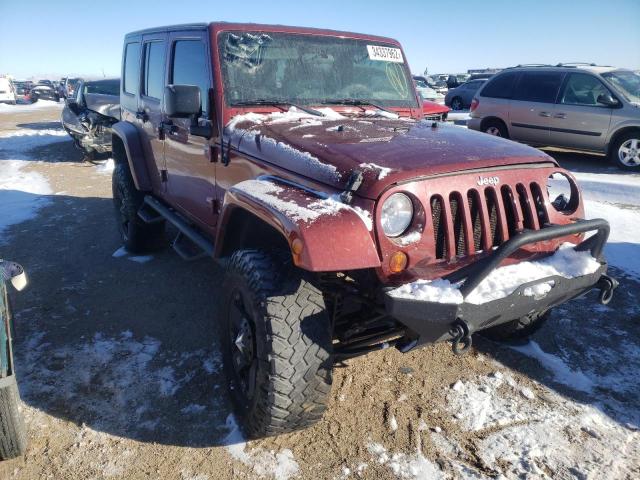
461	337
607	285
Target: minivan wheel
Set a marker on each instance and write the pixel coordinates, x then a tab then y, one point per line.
495	128
456	103
625	153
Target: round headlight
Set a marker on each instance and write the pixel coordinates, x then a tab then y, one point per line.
561	193
397	212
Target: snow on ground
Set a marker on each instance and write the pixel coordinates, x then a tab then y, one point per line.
530	437
23	107
503	281
22	192
123	253
280	465
105	167
616	198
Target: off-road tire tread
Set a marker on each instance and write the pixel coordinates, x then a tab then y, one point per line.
294	393
13	434
142	238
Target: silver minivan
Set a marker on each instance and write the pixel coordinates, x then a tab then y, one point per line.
581	107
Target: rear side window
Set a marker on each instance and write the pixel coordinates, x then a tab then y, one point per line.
538	87
190	67
132	68
154	69
583	89
500	86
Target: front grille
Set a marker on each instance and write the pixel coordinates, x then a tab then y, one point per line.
481	219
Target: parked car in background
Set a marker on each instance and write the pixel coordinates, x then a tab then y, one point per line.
89	115
13	435
7	91
434	111
582	107
23	92
480	76
426	91
460	97
43	91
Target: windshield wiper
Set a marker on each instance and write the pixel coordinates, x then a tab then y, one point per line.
276	103
358	103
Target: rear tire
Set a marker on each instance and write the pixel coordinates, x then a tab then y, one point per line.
13	434
457	103
276	344
517	329
137	236
496	128
625	151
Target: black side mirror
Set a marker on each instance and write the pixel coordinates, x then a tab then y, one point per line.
607	100
181	101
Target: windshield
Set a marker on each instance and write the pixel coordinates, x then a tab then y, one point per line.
626	83
311	69
105	87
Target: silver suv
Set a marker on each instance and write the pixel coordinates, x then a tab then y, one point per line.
576	106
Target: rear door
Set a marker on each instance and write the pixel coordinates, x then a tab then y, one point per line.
190	172
532	106
579	121
149	112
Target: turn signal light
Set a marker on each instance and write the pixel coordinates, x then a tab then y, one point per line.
297	246
398	262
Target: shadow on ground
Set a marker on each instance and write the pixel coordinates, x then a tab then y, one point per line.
125	345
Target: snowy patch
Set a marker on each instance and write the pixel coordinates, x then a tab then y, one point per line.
382	113
503	281
538	440
275	196
106	167
382	171
281	465
410	238
291	115
27	107
406	466
122	252
562	373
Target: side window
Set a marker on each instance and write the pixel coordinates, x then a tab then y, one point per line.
500	86
153	69
132	68
582	89
538	87
190	67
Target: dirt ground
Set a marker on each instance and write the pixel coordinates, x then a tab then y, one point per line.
120	373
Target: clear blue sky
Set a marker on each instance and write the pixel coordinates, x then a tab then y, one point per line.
52	37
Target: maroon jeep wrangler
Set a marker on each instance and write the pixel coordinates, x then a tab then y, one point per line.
347	223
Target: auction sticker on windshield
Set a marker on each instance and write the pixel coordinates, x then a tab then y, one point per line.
386	54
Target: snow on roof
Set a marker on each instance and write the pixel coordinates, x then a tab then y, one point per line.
503	281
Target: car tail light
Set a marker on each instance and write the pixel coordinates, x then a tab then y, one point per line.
474	104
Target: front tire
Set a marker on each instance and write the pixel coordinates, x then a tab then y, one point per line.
495	128
276	343
625	151
137	236
457	104
519	329
13	434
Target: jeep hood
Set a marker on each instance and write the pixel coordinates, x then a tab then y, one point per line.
387	151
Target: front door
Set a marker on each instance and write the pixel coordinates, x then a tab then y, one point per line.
579	120
190	171
532	106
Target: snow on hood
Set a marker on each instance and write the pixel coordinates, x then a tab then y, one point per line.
329	148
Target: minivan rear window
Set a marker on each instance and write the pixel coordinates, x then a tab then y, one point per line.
500	86
538	87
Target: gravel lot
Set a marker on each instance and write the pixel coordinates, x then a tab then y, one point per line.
120	373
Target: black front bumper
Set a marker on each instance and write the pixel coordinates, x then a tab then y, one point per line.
430	322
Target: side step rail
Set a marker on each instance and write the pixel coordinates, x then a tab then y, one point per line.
186	230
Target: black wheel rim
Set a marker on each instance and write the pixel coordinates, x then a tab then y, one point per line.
457	104
243	346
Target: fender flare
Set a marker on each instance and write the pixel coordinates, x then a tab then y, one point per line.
335	241
130	138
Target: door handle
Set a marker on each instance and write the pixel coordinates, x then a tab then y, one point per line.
544	114
560	115
142	115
